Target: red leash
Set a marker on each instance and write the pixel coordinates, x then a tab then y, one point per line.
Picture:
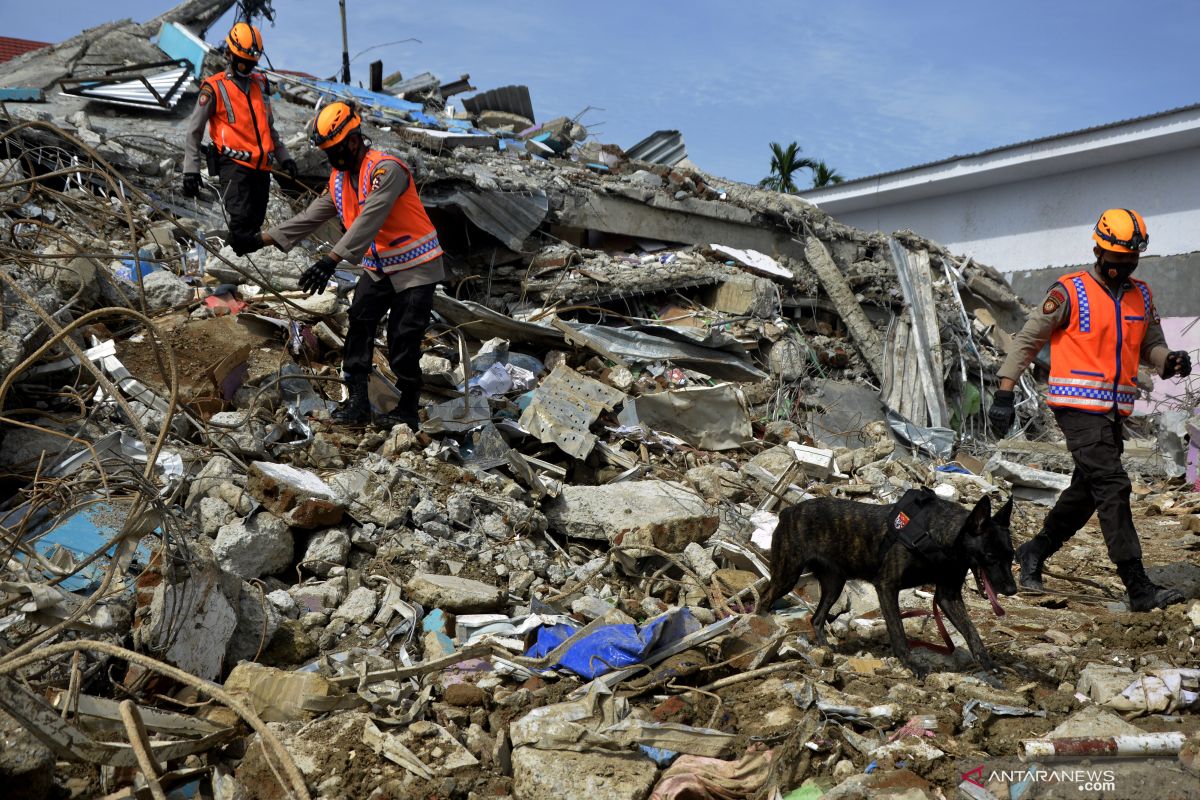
948	647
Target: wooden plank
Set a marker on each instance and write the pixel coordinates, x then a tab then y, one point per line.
916	283
866	338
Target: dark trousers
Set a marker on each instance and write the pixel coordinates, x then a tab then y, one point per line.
408	314
245	192
1099	485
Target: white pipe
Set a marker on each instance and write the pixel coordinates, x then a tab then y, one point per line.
1142	744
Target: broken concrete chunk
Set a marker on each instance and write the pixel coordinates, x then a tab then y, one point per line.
654	513
214	513
699	560
456	595
250	549
189	625
596	775
166	290
257	621
358	607
298	496
326	550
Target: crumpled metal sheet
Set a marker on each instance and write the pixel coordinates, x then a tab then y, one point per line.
482	323
937	442
565	406
643	348
708	417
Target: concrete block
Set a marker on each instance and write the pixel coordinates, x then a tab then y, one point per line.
596	775
301	498
456	595
250	549
654	513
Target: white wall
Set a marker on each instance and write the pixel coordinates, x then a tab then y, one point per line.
1047	221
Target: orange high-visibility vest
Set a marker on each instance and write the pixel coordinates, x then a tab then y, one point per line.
407	238
1094	359
240	125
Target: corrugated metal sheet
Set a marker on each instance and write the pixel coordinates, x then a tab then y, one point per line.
660	147
159	90
513	99
509	216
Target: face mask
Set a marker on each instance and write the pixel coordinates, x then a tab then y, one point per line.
243	66
341	157
1122	272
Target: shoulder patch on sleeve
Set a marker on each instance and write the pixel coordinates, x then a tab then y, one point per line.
1055	298
377	176
206	94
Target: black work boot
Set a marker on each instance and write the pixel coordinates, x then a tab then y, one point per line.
357	408
1030	557
406	412
1144	595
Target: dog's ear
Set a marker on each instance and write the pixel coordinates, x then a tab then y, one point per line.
1004	515
978	518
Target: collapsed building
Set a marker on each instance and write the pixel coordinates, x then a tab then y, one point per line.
633	366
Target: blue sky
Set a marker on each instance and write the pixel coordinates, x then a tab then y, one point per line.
866	85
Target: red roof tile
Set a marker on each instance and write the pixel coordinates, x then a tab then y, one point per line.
11	48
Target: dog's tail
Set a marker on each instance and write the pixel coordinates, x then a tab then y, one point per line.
787	558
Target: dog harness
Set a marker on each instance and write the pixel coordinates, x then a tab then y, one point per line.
908	523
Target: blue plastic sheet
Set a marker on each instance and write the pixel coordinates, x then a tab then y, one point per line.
84	532
613	647
363	96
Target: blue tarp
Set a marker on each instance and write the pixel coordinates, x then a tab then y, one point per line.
83	533
613	647
365	96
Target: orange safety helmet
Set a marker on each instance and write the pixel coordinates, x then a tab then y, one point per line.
244	41
334	122
1122	230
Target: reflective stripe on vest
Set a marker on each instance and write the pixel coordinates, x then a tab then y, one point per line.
407	238
1094	359
240	126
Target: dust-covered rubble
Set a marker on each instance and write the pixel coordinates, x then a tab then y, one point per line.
550	586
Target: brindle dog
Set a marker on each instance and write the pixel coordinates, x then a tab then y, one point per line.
840	540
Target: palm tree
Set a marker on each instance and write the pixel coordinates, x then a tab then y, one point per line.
785	162
824	175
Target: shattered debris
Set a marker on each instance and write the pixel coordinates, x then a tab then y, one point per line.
549	587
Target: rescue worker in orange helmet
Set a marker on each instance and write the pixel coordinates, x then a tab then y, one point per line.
235	105
391	236
1101	323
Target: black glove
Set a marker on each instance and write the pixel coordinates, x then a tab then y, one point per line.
1179	364
289	166
191	184
1002	414
242	245
314	279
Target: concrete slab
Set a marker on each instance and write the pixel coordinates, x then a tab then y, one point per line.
654	513
456	595
554	774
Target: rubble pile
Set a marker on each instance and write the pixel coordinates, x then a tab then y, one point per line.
550	588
